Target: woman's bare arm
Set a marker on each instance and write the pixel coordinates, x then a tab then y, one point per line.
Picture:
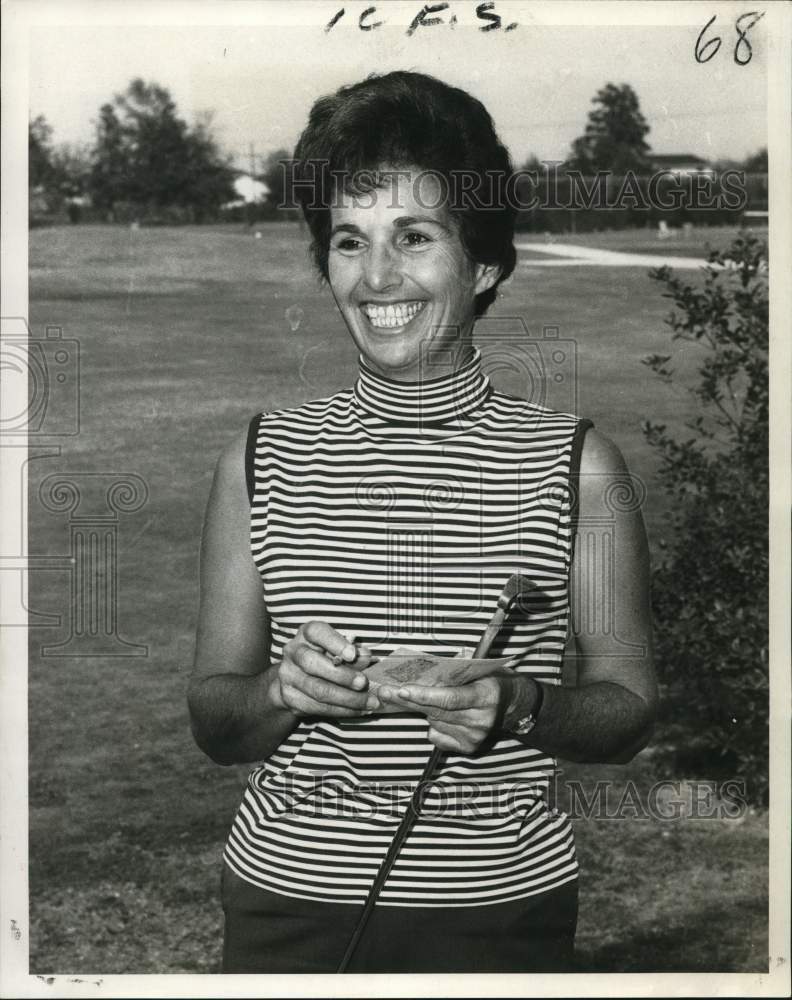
608	715
242	706
233	717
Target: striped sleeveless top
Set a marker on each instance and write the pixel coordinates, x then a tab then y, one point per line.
396	511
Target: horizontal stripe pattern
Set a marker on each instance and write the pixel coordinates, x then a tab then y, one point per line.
397	513
432	399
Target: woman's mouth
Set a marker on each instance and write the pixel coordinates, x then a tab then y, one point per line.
392	315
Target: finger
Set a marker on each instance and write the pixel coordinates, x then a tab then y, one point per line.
462	739
451	729
365	658
315	663
444	741
391	697
327	638
322	690
444	699
327	693
303	704
465	734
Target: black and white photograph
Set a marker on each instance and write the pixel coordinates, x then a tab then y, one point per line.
395	498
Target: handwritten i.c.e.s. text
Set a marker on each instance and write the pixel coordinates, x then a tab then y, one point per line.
429	16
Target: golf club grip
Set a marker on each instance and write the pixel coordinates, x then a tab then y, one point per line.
485	642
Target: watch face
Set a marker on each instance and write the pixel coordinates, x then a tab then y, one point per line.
525	725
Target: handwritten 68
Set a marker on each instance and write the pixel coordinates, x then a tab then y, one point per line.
427	17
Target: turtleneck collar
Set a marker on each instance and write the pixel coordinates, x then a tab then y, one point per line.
437	400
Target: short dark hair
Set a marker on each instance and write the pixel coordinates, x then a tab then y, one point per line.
404	119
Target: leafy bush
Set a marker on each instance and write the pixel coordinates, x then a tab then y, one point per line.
711	587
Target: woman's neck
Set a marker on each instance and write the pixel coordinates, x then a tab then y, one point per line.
447	392
436	362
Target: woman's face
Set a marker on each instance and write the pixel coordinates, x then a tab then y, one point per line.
401	277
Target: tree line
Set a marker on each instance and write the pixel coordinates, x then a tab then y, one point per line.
146	162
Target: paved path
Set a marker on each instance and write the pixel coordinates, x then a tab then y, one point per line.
571	255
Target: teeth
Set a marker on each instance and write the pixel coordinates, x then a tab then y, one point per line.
392	316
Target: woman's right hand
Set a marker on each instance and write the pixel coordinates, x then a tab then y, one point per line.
307	682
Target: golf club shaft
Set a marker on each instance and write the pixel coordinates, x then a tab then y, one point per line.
505	602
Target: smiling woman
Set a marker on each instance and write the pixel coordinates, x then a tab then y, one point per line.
391	514
401	277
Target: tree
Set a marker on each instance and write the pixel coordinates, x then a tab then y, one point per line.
109	177
72	165
148	156
615	133
275	175
711	589
156	143
756	164
532	164
40	167
43	195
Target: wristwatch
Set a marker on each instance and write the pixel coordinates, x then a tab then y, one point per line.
526	723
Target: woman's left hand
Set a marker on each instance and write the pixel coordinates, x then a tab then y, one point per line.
460	718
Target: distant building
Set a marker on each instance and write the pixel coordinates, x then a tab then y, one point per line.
682	164
249	191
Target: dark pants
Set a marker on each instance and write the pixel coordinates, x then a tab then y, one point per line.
269	933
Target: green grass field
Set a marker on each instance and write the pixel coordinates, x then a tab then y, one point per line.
183	336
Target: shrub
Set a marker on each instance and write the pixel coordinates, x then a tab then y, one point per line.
710	590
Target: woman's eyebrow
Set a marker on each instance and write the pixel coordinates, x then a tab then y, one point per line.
403	222
409	220
346	227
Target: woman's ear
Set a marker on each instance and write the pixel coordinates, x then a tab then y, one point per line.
486	276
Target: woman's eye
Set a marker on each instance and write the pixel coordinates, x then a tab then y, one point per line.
415	239
348	245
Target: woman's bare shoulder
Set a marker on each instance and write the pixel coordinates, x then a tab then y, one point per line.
230	474
234	449
600	455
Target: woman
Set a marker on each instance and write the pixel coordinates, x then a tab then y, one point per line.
391	514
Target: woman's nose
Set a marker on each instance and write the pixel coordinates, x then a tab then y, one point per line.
382	268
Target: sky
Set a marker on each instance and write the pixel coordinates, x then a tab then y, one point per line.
537	80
